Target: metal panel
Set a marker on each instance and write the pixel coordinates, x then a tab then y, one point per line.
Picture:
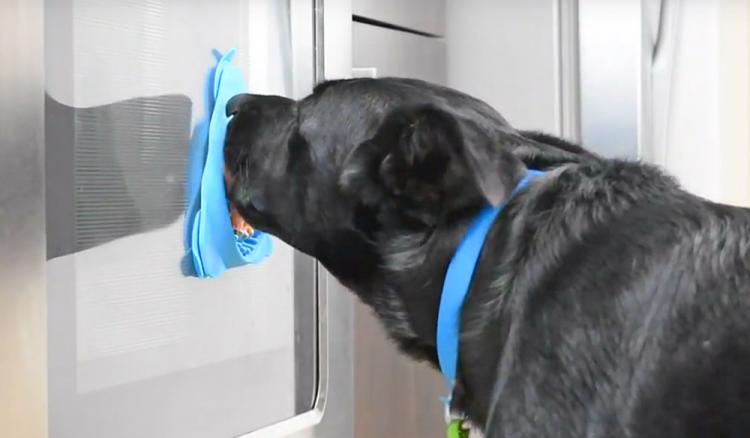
569	79
610	35
23	298
23	334
421	15
332	414
508	53
132	340
394	395
396	53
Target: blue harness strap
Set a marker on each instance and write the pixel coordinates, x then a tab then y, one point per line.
458	279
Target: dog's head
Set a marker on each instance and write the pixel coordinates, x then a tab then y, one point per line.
360	159
262	143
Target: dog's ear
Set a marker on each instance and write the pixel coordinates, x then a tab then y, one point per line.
431	161
544	151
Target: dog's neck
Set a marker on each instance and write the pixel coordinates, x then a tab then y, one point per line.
402	283
401	276
415	268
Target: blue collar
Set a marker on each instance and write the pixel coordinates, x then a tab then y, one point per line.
458	281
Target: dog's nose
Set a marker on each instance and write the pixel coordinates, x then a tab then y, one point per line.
236	102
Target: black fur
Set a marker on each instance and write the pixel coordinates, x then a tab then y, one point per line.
607	302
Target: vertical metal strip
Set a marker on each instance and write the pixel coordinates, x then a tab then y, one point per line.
319	43
569	108
610	60
23	320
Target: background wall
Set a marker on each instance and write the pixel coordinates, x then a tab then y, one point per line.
735	97
705	143
509	54
504	52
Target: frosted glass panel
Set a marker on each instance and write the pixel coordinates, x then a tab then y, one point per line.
136	347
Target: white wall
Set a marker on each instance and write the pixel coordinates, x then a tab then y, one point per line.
690	147
706	129
735	98
504	52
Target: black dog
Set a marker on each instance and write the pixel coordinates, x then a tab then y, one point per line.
607	302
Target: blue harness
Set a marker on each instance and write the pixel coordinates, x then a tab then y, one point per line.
458	282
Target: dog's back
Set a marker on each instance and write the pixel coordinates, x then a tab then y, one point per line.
634	318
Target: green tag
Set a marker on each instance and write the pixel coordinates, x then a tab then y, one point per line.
456	429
